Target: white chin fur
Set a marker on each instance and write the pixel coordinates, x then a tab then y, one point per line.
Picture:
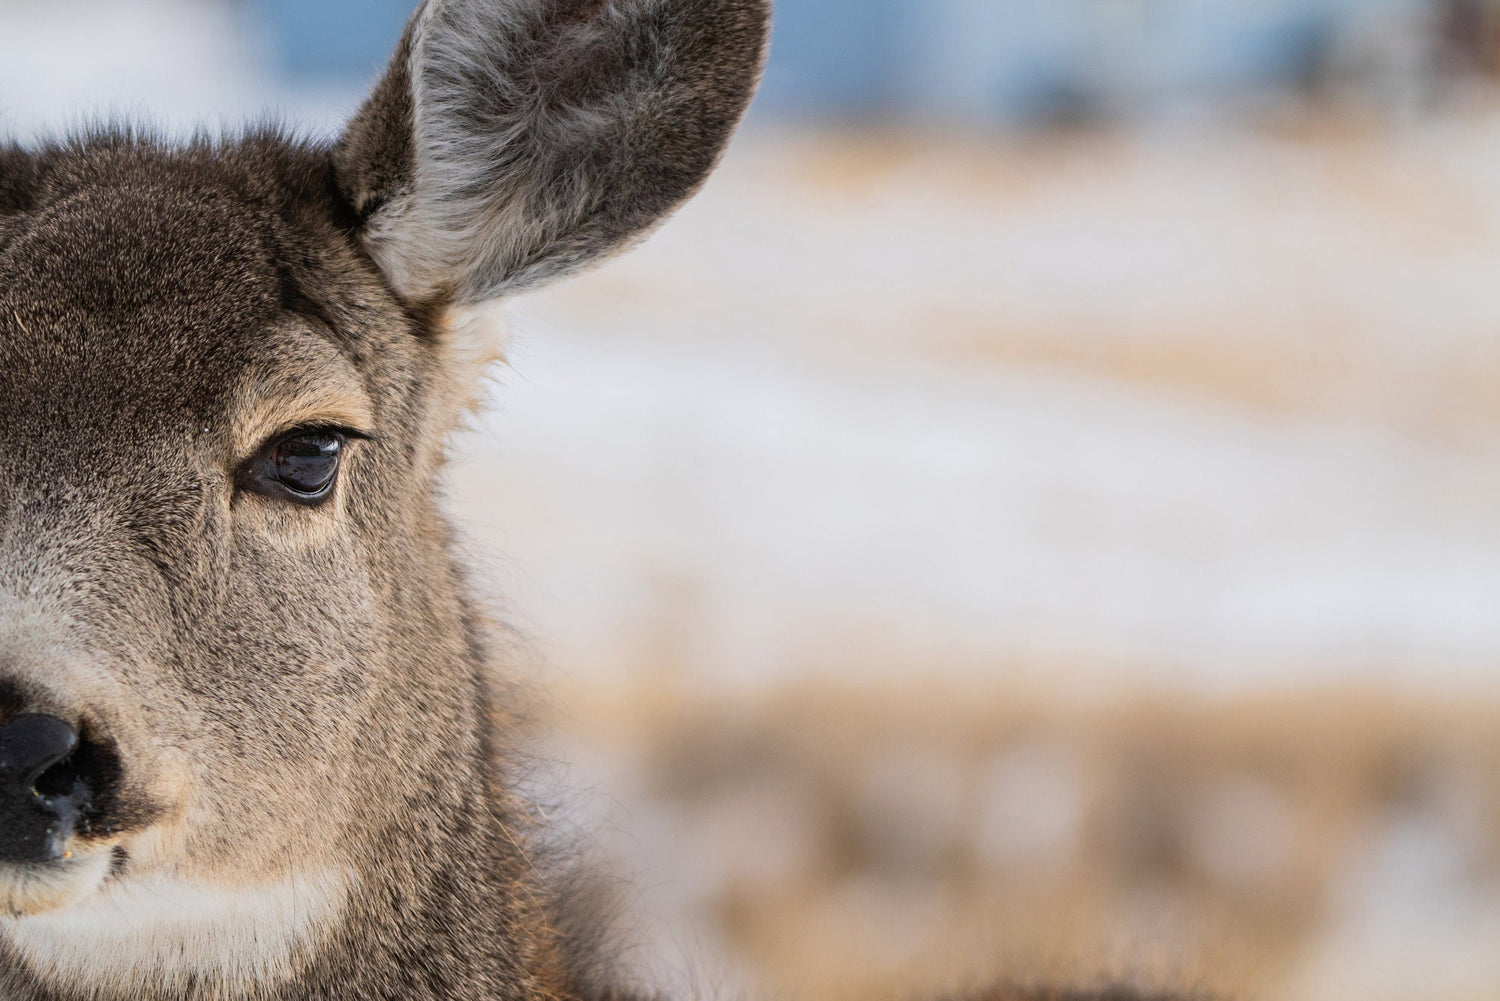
156	930
38	889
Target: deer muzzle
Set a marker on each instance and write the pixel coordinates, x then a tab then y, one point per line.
44	791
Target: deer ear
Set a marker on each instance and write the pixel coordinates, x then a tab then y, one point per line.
513	141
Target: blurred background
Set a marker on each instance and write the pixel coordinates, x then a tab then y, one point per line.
1036	514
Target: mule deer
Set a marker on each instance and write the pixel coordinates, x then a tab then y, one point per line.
245	715
245	748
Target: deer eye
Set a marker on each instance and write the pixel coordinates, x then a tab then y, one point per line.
301	466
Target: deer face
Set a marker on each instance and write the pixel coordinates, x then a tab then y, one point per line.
219	432
234	653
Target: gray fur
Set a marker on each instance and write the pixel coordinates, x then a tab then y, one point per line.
546	133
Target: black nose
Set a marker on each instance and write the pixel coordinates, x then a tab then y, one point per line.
42	795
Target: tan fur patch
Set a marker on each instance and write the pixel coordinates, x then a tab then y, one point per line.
323	388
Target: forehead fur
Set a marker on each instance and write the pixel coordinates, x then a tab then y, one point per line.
142	271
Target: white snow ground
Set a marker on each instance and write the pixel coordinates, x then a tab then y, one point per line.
759	428
951	517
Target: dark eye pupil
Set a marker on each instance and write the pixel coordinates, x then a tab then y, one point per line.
306	462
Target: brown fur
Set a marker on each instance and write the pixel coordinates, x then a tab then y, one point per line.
291	704
287	687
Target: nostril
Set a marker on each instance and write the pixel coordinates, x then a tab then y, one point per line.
55	784
34	751
57	781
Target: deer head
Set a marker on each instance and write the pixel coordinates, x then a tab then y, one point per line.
245	716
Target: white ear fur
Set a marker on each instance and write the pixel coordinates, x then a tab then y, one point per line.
476	338
513	141
444	218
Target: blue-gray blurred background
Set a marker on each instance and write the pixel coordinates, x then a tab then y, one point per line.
976	63
1021	62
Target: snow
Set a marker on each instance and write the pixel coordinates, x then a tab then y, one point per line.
765	407
995	513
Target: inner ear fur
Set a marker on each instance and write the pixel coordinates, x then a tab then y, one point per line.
513	141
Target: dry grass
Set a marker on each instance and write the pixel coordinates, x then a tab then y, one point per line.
870	843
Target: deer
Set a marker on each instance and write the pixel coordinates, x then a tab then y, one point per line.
249	746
